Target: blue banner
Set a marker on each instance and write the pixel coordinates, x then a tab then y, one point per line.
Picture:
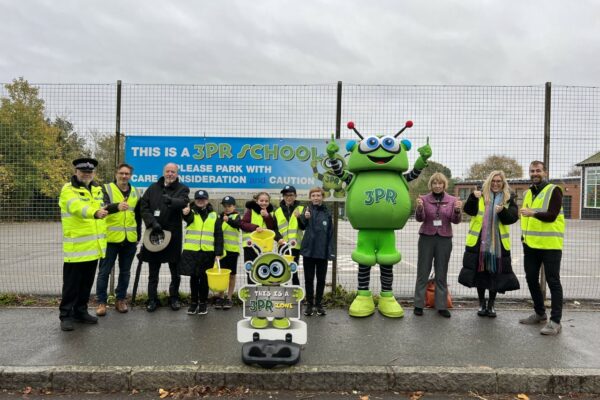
233	166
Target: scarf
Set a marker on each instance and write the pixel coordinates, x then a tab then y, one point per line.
490	252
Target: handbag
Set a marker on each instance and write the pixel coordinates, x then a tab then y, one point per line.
430	293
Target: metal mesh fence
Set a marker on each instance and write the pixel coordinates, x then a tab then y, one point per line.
464	124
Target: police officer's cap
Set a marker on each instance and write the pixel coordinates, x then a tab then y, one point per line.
85	164
288	189
228	201
201	194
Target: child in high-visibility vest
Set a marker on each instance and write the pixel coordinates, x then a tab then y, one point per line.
258	216
231	241
203	242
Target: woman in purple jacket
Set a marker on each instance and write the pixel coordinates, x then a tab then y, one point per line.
436	210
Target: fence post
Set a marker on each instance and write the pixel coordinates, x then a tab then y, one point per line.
118	127
336	208
117	162
547	114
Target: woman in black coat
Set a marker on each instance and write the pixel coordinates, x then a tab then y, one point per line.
161	207
487	260
316	248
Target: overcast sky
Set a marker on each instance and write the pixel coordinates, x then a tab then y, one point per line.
500	42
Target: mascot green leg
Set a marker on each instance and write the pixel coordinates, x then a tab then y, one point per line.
259	322
387	253
281	323
363	304
366	247
388	306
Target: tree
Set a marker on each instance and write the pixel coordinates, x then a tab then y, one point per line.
510	166
70	142
30	154
574	171
103	149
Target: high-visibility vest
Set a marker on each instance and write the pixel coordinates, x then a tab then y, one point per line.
200	235
477	222
231	236
84	237
289	229
539	234
255	219
121	224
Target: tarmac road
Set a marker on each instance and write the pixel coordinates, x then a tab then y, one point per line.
167	349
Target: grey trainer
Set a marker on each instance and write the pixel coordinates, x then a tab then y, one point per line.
534	319
552	328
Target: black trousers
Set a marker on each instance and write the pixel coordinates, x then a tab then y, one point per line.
295	278
312	267
533	260
249	255
153	282
78	279
199	285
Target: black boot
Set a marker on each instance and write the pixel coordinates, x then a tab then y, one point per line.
491	310
482	312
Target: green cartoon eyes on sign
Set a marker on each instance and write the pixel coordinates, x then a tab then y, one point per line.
377	204
271	298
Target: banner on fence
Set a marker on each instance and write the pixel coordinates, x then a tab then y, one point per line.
234	165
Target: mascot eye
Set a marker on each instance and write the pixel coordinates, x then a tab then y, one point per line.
390	144
277	269
328	163
264	272
369	144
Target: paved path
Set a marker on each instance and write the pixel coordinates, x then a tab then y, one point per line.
143	350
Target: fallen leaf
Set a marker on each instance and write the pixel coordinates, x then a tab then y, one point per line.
416	395
522	396
163	393
366	397
27	390
135	391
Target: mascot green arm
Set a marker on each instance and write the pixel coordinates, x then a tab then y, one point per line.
424	154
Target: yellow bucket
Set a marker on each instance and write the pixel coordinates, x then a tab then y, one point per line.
218	279
263	239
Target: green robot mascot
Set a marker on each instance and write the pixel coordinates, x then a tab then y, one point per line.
377	204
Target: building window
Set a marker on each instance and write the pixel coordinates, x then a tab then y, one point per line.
592	187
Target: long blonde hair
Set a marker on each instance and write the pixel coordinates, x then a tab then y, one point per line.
488	184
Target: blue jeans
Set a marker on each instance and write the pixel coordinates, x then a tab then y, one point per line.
126	252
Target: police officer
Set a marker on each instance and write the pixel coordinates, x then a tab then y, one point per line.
123	231
286	217
84	241
543	228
